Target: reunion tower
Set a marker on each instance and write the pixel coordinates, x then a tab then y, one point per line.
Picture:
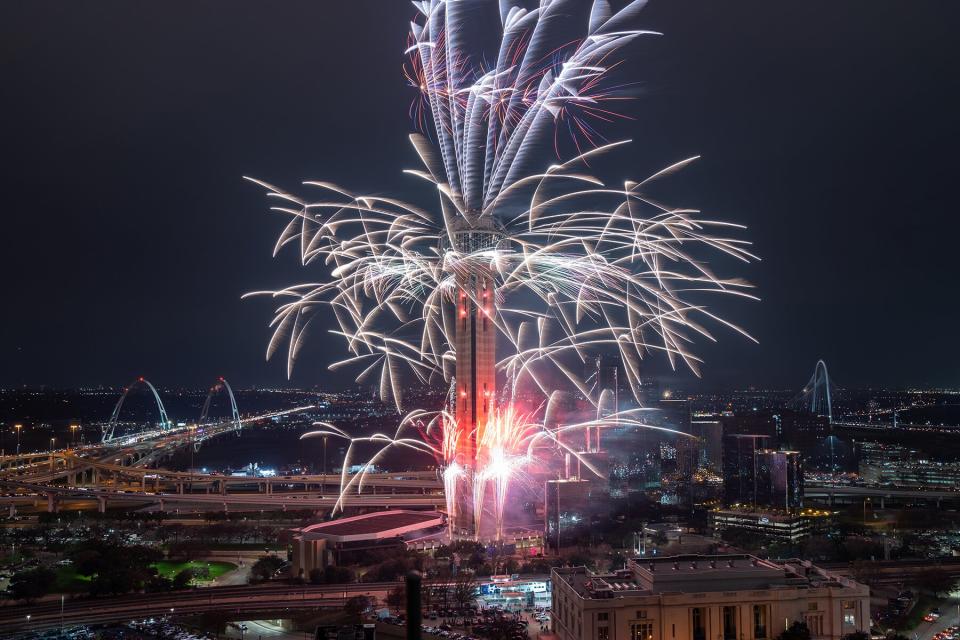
475	243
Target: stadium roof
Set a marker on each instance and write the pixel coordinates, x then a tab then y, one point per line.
373	526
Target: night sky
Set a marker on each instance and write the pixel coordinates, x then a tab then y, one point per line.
830	128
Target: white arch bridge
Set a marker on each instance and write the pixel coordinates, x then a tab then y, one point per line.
203	429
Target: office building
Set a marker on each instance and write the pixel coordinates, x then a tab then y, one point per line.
710	433
775	526
727	597
740	467
779	480
569	506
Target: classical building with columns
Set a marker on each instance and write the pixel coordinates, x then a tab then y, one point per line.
692	597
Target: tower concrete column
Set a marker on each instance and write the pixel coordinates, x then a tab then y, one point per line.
475	346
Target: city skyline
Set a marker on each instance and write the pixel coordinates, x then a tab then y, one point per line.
136	266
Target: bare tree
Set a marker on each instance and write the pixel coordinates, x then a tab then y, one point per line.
465	589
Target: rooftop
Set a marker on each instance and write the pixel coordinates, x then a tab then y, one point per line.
698	574
374	526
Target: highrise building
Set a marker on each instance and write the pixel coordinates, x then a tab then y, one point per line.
710	433
779	480
606	392
568	508
740	467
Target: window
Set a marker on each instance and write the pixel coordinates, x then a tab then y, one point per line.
730	623
641	614
603	633
815	624
849	613
759	621
698	624
811	606
603	617
641	631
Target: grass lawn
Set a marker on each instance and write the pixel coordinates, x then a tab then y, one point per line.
169	569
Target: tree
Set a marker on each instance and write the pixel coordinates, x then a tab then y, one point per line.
397	597
183	579
797	631
331	575
159	584
465	590
32	584
356	605
115	568
186	550
935	580
116	580
538	566
265	568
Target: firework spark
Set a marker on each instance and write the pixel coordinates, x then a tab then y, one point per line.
576	266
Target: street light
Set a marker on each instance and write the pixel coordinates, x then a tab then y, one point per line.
18	427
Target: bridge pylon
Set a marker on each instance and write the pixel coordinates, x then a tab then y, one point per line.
111	425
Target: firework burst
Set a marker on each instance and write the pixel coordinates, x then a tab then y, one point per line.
574	265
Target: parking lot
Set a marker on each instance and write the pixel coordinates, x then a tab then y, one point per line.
476	624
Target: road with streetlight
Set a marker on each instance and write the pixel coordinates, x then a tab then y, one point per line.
249	599
950	617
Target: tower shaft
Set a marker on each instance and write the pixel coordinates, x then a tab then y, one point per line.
476	380
474	240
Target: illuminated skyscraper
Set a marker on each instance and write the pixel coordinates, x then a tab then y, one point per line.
475	344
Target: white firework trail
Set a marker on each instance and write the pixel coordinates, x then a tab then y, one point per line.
578	265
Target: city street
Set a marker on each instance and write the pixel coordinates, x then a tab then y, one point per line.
950	617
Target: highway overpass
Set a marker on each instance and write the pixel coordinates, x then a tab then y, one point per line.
833	492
